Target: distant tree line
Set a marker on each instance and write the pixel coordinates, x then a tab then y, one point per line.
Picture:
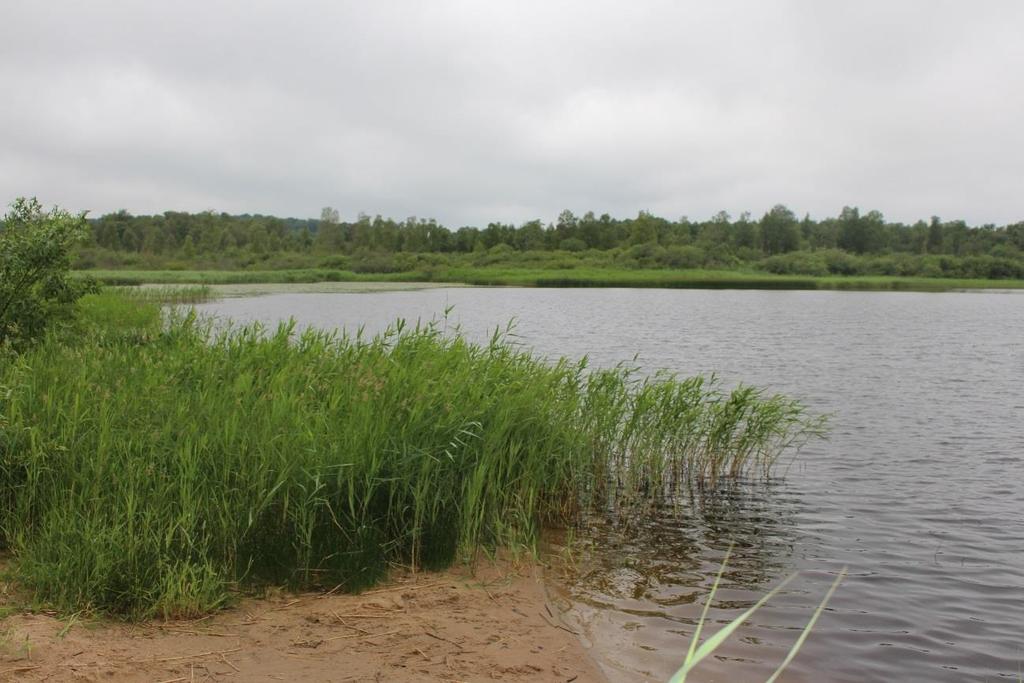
853	242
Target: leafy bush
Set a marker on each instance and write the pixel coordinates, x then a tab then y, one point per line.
796	263
35	262
370	262
646	255
499	253
840	263
573	244
677	256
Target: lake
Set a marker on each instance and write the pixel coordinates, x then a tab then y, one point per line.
919	491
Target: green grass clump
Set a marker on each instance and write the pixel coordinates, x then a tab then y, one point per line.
166	294
154	467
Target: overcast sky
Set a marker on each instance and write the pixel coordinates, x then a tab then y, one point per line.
471	112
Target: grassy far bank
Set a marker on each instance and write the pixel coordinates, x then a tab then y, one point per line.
161	468
539	277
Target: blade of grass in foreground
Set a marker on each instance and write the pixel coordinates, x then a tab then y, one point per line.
810	625
691	653
697	654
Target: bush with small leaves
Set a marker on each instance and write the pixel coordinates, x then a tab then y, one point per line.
36	286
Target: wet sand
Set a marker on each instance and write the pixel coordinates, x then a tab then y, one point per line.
496	624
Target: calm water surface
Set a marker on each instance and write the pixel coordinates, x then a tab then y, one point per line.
919	492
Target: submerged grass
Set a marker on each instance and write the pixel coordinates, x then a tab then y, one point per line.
153	467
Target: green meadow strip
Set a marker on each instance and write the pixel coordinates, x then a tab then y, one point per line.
526	276
159	467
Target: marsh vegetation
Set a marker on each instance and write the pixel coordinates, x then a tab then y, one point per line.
159	467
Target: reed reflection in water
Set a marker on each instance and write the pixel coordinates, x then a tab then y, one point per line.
639	582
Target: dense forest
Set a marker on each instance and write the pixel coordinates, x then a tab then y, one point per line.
852	243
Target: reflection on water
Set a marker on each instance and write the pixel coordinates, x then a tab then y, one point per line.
640	581
920	490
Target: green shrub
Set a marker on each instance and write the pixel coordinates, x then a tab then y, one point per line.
35	262
796	263
840	262
677	256
376	263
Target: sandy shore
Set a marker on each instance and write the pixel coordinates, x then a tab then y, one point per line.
495	625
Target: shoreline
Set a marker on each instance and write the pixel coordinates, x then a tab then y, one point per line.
493	623
553	278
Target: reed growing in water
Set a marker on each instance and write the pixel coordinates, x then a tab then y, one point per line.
165	294
151	467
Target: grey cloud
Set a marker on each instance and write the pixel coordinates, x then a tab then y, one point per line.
471	112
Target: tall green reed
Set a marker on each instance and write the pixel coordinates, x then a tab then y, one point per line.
166	294
152	467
